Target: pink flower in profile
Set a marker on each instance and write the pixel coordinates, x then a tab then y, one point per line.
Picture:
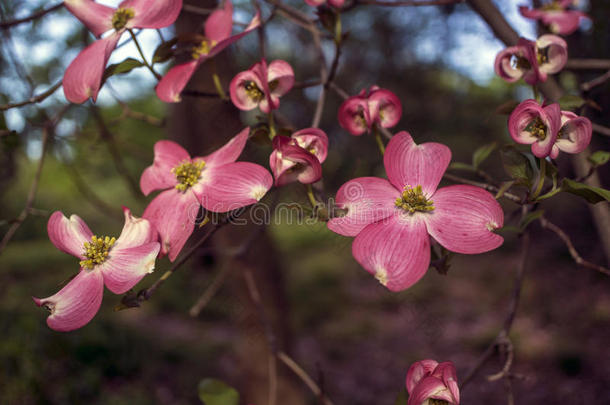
393	220
360	113
332	3
217	37
556	16
574	135
533	61
532	124
299	157
83	77
262	86
117	263
428	380
216	181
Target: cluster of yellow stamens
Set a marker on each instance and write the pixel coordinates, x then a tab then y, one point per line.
96	251
413	199
253	92
537	128
188	173
121	16
203	48
553	6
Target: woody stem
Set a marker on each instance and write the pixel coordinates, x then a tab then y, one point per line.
135	41
541	177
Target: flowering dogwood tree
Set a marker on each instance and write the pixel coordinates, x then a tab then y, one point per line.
277	121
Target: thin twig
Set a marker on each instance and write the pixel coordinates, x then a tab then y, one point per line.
12	23
588	64
595	82
600	129
302	374
33	100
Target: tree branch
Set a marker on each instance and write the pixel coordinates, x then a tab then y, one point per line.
12	23
32	100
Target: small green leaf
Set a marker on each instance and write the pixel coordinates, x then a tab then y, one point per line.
503	188
599	158
461	166
164	51
532	216
589	193
216	392
125	66
569	102
507	107
482	153
517	166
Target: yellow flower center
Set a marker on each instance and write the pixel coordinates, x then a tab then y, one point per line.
413	199
187	174
96	251
204	47
537	129
121	17
253	92
553	6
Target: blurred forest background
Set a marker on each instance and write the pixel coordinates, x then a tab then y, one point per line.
352	335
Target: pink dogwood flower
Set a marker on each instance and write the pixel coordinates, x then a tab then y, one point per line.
332	3
532	124
533	61
216	181
299	156
360	113
83	77
262	85
556	16
574	135
217	37
429	382
393	219
117	263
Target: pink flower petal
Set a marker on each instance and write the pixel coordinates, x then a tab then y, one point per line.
503	64
314	140
237	89
409	164
96	17
174	81
290	162
136	232
354	115
231	186
576	135
530	13
563	23
449	377
524	115
173	213
83	77
254	24
384	107
126	266
557	53
430	388
282	72
219	24
395	250
315	3
463	219
336	3
152	14
367	200
229	152
68	235
419	370
75	304
159	175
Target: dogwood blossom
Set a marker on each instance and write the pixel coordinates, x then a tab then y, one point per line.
262	85
556	16
216	181
430	382
83	77
393	219
119	263
299	157
532	60
360	113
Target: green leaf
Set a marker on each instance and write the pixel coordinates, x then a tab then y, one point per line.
569	102
599	158
216	392
507	107
164	51
589	193
503	188
125	66
461	166
532	216
483	153
517	166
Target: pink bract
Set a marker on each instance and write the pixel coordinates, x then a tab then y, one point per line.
216	181
128	259
556	16
360	113
392	243
574	135
217	30
532	61
262	85
532	124
83	77
299	157
428	379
